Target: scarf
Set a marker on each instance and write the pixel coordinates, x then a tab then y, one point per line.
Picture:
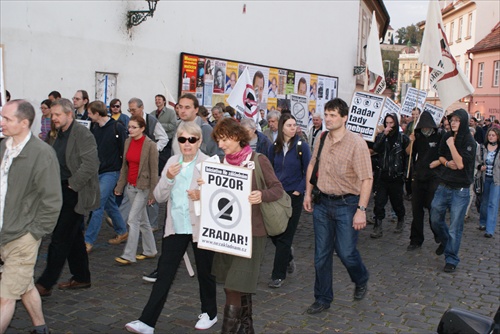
237	158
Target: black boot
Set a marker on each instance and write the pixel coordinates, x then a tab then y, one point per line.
246	326
400	226
232	315
377	229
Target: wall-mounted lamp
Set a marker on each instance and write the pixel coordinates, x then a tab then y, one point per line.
136	17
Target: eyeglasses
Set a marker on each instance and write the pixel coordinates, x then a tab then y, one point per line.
116	106
191	140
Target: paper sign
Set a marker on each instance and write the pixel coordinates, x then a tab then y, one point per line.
414	98
364	114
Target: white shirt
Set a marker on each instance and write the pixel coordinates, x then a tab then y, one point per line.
10	154
160	134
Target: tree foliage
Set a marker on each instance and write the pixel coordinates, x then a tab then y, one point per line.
410	34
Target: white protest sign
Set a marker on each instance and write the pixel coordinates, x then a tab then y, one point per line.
436	112
84	123
226	213
414	98
390	107
298	107
364	114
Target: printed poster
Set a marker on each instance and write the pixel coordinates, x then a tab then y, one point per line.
226	223
436	112
364	114
231	76
389	107
414	98
219	76
189	73
299	110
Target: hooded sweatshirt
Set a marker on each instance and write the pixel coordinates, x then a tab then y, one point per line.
391	151
466	147
425	148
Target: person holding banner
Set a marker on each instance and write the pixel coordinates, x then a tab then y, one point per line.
290	156
240	275
424	144
179	188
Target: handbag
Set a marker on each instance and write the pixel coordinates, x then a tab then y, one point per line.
275	214
478	184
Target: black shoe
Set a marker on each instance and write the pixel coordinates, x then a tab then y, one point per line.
488	235
276	283
360	291
449	268
317	307
481	228
413	247
151	278
440	249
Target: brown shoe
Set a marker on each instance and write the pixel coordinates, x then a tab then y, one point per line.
72	285
119	239
42	291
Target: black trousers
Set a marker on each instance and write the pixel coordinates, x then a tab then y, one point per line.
173	248
283	242
423	193
389	189
67	243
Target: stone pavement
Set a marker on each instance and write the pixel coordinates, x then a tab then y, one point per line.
408	291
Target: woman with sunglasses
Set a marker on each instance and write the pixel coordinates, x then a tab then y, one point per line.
240	275
178	187
116	112
139	174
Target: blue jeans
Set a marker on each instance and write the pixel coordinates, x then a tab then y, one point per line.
332	221
107	183
456	201
489	205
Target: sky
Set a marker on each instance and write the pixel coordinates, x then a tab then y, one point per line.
406	12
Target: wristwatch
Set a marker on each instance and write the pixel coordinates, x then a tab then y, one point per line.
362	208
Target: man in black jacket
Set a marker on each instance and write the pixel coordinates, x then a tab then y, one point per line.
390	146
457	152
423	148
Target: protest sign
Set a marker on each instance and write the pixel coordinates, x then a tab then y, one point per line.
390	107
84	123
298	105
364	114
414	98
226	213
436	112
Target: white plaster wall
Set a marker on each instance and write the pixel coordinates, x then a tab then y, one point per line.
59	45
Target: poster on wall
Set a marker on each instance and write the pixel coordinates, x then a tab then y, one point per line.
213	79
105	84
299	109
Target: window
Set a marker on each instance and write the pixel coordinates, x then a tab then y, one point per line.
460	25
467	69
452	27
469	26
480	73
496	73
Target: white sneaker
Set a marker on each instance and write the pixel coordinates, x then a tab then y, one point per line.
139	327
205	322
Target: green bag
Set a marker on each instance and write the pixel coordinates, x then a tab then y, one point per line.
275	214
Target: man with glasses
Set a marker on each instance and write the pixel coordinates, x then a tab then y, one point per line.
81	102
457	152
116	112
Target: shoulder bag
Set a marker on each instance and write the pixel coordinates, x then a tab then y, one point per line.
275	214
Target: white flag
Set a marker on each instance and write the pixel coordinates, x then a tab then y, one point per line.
243	97
446	78
374	65
170	99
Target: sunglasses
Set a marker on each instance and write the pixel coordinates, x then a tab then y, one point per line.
116	106
191	140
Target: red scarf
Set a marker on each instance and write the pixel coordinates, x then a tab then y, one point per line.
237	158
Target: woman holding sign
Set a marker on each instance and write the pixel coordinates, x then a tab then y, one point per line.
240	275
178	187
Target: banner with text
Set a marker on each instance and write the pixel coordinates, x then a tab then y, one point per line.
226	213
390	107
364	114
436	112
414	98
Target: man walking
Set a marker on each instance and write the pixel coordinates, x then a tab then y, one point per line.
110	137
457	153
29	168
344	181
76	151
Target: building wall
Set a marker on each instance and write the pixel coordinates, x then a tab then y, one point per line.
486	99
59	45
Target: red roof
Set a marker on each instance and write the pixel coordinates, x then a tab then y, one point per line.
490	42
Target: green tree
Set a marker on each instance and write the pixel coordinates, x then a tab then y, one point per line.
401	35
410	34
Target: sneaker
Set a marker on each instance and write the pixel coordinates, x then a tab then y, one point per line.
276	283
119	239
449	268
440	249
360	291
413	247
151	278
139	327
205	322
317	307
481	228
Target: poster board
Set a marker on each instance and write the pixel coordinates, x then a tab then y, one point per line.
436	112
413	98
226	213
201	75
364	114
